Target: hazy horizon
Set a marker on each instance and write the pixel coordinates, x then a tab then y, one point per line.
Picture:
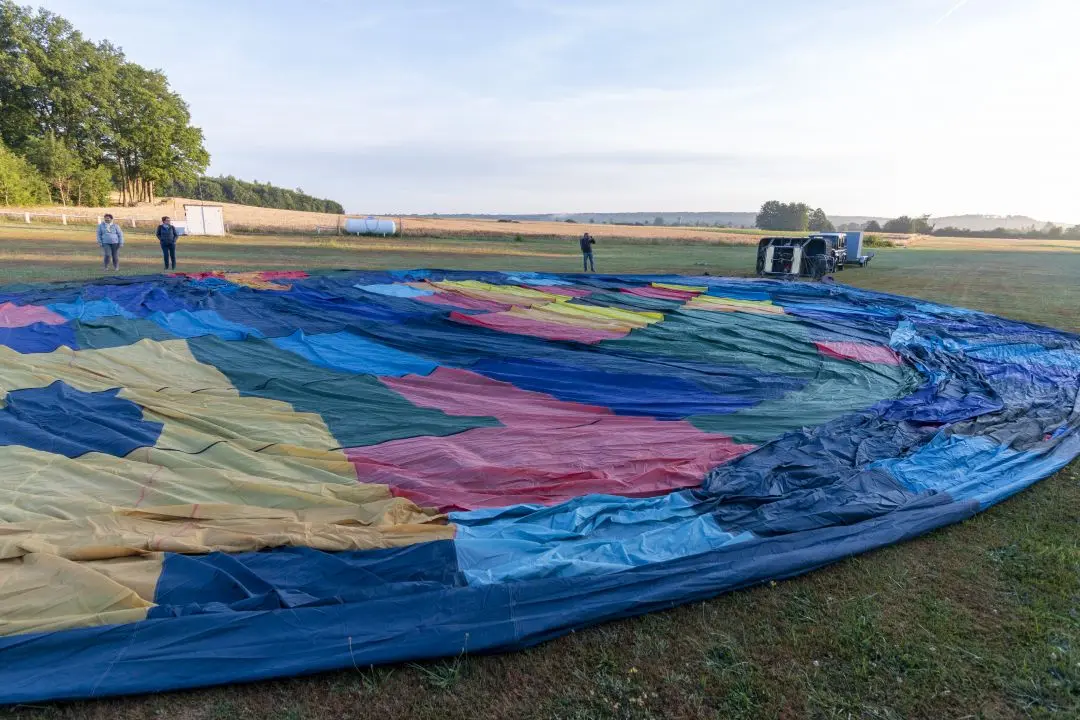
897	107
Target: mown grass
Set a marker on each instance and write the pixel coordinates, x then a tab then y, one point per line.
978	620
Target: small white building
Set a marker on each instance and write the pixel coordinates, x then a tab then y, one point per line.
204	220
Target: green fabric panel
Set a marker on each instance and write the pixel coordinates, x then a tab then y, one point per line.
843	387
110	332
772	344
775	344
358	409
630	301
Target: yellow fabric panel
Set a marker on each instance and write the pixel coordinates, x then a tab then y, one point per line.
38	485
254	280
545	314
638	319
40	592
140	573
505	294
102	537
167	367
681	288
707	302
194	421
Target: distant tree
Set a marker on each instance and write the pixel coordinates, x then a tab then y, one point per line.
819	222
56	162
775	215
902	224
872	226
91	186
921	225
20	182
658	220
1054	231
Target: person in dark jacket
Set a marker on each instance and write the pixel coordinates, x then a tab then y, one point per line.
587	243
166	235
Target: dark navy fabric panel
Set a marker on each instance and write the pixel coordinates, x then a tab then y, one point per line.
63	420
38	337
654	395
300	577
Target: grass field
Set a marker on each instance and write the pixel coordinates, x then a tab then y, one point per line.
979	620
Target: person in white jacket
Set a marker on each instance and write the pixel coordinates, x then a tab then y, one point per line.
110	237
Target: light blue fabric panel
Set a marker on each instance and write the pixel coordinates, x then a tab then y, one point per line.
352	353
980	469
196	323
585	536
89	310
394	290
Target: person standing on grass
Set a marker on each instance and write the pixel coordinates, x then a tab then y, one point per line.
166	235
587	243
111	238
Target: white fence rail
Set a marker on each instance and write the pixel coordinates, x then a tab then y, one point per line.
63	218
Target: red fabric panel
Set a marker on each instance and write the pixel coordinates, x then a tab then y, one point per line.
550	451
453	299
508	323
661	293
861	352
13	316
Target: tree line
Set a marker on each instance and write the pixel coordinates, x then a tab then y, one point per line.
78	120
229	189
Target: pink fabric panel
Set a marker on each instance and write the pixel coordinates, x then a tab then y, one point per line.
861	352
13	316
661	293
464	302
550	450
508	323
463	392
494	467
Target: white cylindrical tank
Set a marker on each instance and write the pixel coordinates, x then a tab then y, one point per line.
370	226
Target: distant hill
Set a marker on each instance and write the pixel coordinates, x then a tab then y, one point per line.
989	222
746	219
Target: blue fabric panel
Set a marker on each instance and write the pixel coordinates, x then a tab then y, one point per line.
189	324
300	577
38	337
652	395
395	290
138	298
588	535
352	353
89	310
63	420
172	653
979	469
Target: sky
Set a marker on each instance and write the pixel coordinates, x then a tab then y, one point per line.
861	107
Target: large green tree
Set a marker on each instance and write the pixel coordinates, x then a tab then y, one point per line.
150	139
775	215
54	83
